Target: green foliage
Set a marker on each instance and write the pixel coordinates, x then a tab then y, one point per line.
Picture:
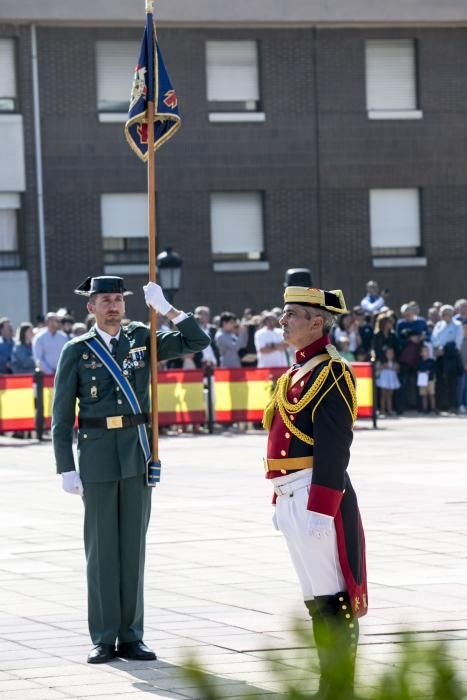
423	671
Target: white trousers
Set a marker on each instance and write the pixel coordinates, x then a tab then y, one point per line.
315	559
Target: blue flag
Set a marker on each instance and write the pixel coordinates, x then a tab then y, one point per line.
151	83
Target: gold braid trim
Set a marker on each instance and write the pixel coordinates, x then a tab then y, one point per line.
279	399
353	409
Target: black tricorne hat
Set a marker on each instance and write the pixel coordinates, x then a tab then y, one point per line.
102	285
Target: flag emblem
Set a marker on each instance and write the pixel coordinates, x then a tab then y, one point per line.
151	83
170	99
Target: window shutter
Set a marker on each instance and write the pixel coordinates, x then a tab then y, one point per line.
232	71
391	75
395	218
115	67
7	74
237	224
8	230
124	215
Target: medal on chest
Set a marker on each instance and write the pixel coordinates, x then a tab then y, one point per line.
135	358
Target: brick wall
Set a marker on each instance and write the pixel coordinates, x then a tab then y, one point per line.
314	158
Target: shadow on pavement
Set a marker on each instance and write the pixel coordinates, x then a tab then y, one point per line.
165	680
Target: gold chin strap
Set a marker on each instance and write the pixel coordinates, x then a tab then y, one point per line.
280	401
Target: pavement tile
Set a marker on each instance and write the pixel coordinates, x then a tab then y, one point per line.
33	694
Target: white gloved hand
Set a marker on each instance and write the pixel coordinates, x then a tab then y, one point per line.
155	297
71	483
319	525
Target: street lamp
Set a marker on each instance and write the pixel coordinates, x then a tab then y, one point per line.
169	272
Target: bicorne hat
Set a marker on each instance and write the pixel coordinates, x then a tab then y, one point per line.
102	285
332	301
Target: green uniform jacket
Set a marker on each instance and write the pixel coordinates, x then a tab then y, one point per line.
108	455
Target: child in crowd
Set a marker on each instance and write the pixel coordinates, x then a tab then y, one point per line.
344	348
387	380
426	379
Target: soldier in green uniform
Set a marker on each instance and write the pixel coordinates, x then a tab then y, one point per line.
112	465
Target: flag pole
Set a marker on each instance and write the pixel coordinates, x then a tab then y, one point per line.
152	245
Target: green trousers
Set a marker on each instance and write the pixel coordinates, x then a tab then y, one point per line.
116	518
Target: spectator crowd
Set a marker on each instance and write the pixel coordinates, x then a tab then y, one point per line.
420	361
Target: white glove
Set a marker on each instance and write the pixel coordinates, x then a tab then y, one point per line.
274	520
319	525
155	297
71	483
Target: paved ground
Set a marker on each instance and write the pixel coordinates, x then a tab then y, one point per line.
219	582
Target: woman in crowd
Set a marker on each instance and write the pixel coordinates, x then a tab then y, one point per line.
385	337
22	361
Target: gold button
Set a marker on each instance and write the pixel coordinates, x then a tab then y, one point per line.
348	616
283	471
295	400
341	599
292	418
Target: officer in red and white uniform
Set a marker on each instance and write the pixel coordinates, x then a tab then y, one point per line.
310	420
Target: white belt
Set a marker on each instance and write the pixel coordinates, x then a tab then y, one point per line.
295	485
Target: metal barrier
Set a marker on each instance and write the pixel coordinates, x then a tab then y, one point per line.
185	397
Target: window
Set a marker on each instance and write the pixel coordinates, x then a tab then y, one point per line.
237	226
391	79
395	222
7	76
115	62
124	230
9	255
233	90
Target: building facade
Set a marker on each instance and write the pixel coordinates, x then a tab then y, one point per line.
315	141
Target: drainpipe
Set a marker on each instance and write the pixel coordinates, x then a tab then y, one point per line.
39	178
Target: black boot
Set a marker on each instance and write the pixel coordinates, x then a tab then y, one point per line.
336	636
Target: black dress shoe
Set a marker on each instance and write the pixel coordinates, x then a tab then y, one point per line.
102	654
135	650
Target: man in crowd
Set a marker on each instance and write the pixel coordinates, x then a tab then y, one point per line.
230	339
310	420
411	323
48	344
269	343
460	308
210	354
374	302
67	322
447	339
6	345
108	370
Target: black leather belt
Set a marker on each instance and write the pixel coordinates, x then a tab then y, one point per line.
115	422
